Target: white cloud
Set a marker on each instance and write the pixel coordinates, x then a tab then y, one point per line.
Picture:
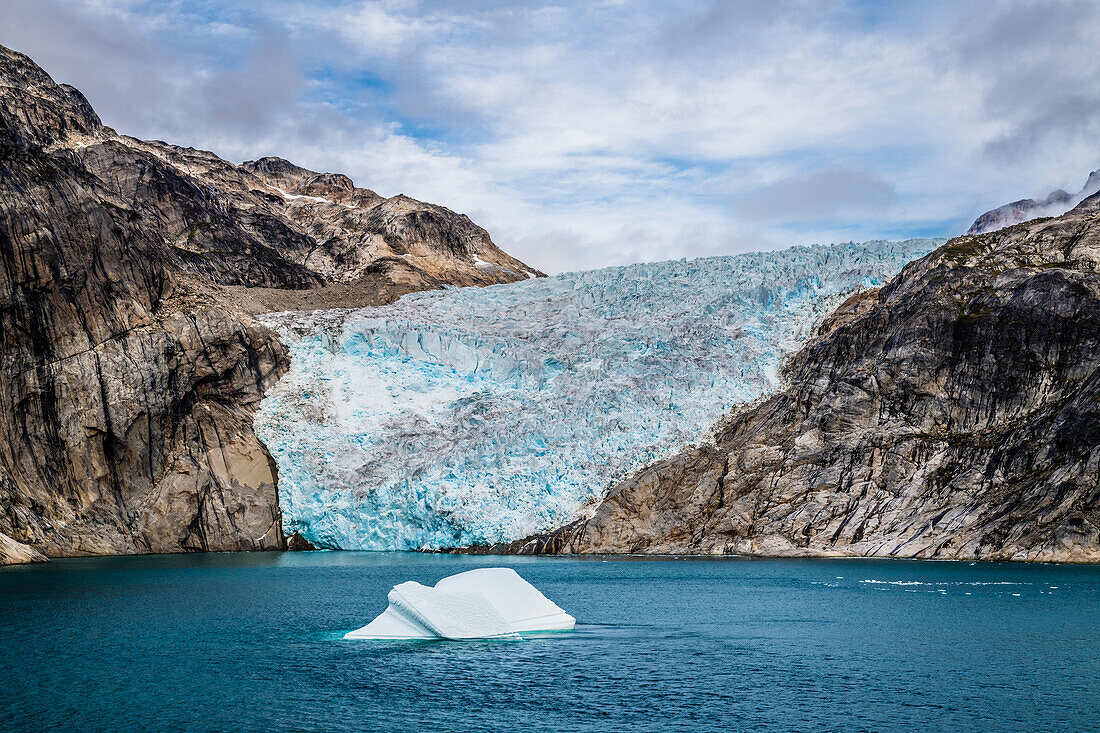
587	134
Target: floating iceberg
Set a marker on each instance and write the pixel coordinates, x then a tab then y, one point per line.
488	603
481	415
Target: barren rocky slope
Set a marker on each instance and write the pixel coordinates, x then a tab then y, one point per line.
129	369
955	413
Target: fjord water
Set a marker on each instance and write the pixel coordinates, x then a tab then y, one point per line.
252	641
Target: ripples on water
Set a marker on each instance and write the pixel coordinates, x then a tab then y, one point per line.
247	642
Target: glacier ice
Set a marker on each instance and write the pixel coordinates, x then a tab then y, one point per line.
487	603
478	415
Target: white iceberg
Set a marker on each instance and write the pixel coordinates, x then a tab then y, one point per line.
488	603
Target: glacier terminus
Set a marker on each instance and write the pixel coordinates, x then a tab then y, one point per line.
479	415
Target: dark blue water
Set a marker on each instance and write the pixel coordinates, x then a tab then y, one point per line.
251	642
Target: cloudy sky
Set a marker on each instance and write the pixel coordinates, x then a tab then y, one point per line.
595	133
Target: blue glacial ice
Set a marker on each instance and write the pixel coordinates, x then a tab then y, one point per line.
478	415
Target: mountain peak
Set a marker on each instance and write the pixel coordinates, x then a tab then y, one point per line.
36	111
1056	203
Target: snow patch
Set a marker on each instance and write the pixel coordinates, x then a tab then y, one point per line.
296	197
302	197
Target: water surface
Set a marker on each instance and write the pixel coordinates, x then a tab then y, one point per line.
252	641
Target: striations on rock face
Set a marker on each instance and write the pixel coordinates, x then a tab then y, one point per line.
955	413
129	366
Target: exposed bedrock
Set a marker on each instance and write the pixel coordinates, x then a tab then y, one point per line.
129	366
954	414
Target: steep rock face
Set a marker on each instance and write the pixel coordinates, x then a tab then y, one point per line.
1055	204
959	417
129	371
127	393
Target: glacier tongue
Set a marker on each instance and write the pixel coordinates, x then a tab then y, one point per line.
479	415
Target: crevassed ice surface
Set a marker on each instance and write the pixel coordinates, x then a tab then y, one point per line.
479	415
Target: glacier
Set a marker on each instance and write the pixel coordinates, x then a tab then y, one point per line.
479	415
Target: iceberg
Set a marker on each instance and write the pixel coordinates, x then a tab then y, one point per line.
487	603
479	415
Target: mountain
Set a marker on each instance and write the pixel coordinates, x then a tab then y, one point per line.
954	413
1055	204
130	367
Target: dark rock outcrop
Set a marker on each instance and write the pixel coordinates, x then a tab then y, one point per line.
129	366
955	413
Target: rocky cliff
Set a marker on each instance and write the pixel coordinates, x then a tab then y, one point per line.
955	413
129	366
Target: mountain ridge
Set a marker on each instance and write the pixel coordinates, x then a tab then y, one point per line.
1056	203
